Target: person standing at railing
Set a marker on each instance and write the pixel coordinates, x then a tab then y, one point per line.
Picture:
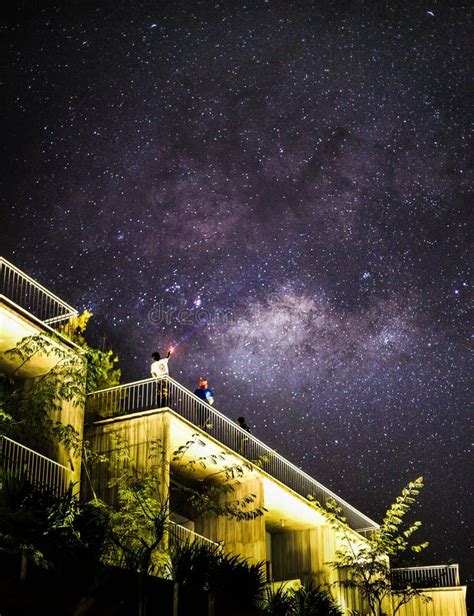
204	392
242	424
160	372
207	395
243	444
159	367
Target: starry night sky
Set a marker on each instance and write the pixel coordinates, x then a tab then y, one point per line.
281	190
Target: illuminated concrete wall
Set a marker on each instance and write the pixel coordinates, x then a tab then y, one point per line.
306	555
444	602
245	537
303	554
142	433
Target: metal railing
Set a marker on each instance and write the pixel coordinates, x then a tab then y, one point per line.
21	461
437	576
166	392
181	534
25	292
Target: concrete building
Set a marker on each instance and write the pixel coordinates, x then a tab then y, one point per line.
292	537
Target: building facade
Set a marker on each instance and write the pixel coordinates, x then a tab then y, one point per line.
292	537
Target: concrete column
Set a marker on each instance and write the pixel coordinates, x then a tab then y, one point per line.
142	433
303	554
246	537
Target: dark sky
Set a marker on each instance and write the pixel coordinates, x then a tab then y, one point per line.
281	189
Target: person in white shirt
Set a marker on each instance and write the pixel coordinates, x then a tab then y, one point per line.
159	368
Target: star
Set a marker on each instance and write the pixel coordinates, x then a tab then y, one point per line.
282	195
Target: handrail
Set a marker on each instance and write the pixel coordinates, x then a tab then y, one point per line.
434	576
149	394
180	532
37	468
32	296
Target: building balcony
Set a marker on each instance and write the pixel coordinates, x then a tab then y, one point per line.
29	309
42	472
179	534
440	584
166	393
438	576
19	289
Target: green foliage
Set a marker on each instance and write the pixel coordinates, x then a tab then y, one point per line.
51	530
235	577
277	602
140	518
262	460
366	562
213	494
205	566
308	600
30	412
191	563
102	371
23	518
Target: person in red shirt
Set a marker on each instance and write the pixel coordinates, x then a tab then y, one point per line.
204	392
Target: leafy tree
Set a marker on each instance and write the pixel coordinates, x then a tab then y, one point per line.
30	411
139	525
141	517
54	531
102	371
367	562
